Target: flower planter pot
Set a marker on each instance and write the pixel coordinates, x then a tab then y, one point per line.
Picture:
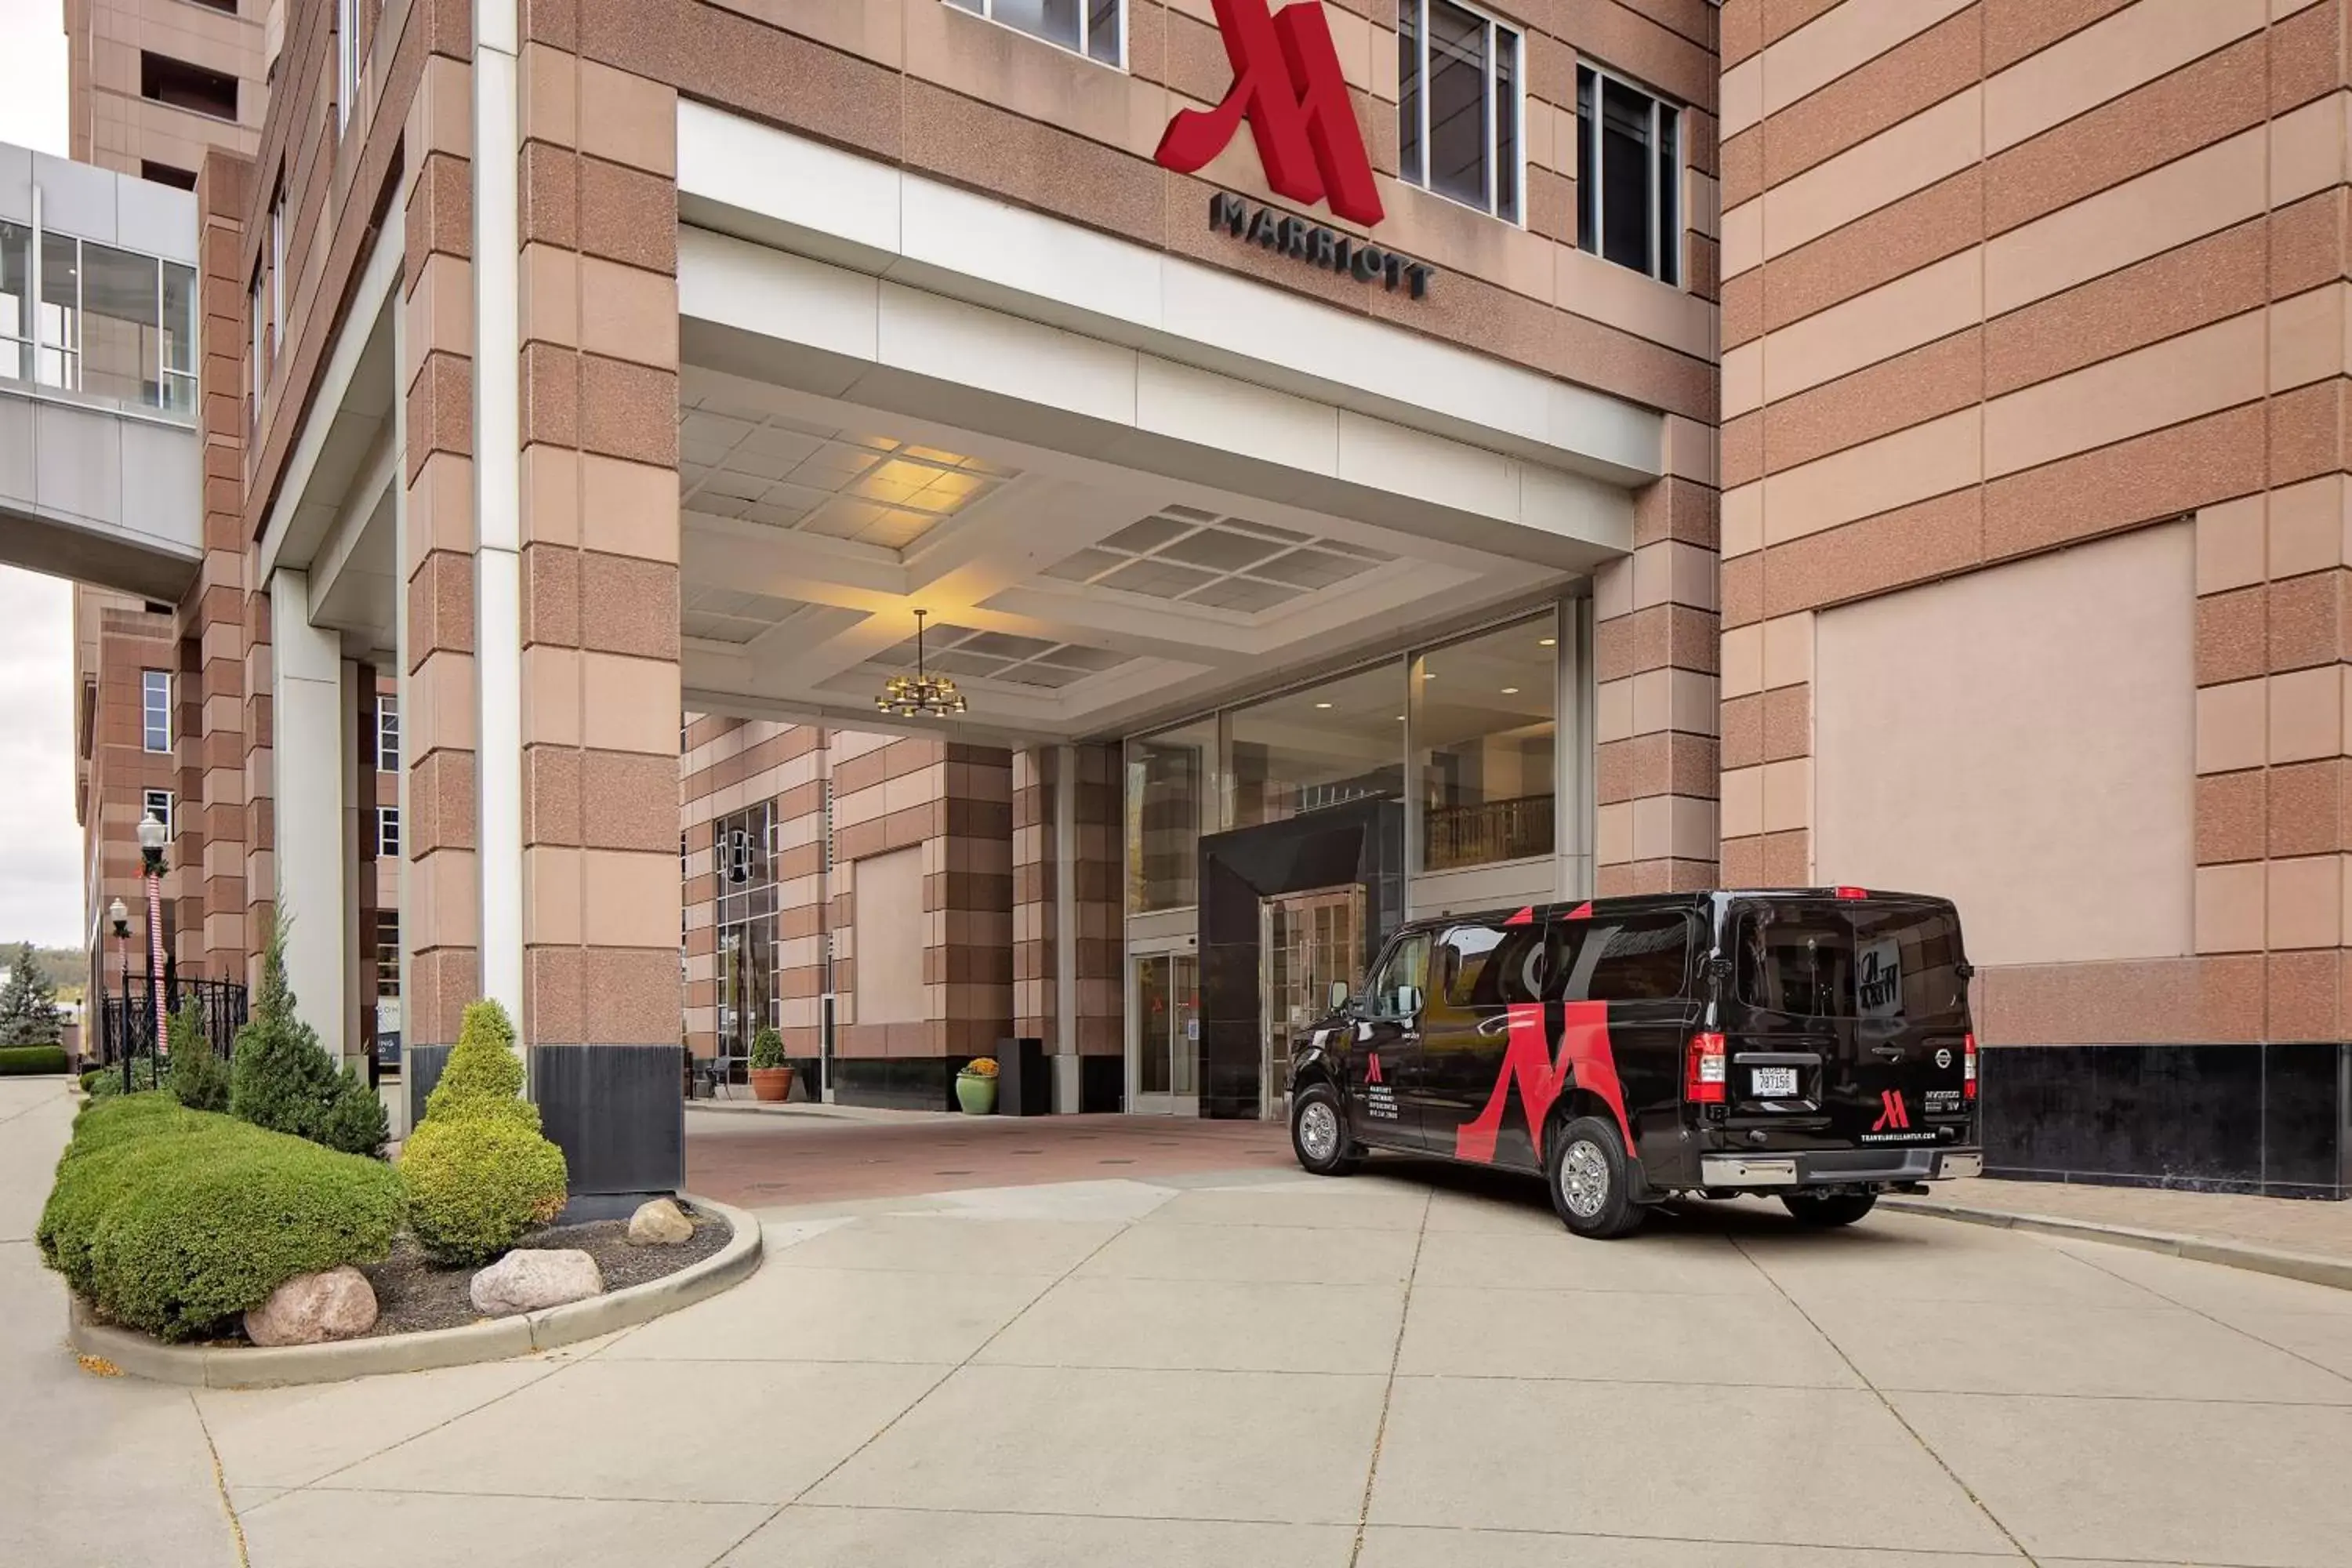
772	1083
976	1095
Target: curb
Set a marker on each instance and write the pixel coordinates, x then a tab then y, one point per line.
2335	1273
499	1338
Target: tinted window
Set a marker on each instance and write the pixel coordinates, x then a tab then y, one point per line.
1407	964
1858	959
1486	967
1631	959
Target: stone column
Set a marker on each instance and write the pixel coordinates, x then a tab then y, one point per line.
1067	939
308	700
597	632
440	923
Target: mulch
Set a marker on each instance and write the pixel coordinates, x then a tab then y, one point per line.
412	1293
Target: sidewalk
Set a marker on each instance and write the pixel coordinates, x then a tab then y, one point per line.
2285	1229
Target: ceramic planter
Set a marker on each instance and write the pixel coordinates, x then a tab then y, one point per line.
772	1083
977	1095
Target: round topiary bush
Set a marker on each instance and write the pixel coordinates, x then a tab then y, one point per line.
223	1217
478	1182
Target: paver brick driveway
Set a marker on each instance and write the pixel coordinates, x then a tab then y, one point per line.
1225	1369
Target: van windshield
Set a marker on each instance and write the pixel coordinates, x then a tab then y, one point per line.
1851	960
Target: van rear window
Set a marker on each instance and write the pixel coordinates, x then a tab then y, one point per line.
1851	960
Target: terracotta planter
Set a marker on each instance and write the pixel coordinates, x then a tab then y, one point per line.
976	1095
772	1083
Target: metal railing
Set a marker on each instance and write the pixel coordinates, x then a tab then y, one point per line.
1514	830
126	1030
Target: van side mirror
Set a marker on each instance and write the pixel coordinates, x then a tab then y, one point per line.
1339	997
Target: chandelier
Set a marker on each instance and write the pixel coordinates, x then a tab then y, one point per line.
920	695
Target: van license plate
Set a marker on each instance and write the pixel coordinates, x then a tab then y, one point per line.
1774	1083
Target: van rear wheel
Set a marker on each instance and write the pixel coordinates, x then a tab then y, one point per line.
1826	1210
1590	1181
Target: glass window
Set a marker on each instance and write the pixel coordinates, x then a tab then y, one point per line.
155	709
387	738
1408	964
60	312
387	953
1485	967
1632	958
276	275
158	804
1324	745
1627	175
1860	960
1089	27
387	832
260	346
347	60
178	323
121	350
1169	786
16	301
745	911
1485	726
1458	104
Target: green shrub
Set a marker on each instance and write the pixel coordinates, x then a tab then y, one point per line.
210	1224
174	1221
20	1060
767	1048
483	1076
198	1078
280	1078
477	1183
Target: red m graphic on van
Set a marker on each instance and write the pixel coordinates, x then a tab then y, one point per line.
1891	1113
1286	84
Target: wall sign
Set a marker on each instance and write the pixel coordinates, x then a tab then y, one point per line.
1288	85
1319	246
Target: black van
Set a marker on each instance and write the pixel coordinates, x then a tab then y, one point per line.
1812	1045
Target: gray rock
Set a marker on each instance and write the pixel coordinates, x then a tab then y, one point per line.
659	1223
527	1279
339	1304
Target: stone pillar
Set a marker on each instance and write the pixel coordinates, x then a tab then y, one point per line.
1655	656
596	632
309	702
440	917
1067	937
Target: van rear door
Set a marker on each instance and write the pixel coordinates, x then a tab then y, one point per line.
1850	1021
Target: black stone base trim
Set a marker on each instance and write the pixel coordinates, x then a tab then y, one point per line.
587	1208
2271	1120
896	1083
1102	1084
418	1074
617	1114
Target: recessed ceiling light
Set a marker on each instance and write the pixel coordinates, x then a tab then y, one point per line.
1510	691
1546	642
1400	718
1322	705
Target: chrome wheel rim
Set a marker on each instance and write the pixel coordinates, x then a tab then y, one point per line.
1584	1178
1318	1130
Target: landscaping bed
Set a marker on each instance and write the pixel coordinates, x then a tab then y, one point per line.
412	1293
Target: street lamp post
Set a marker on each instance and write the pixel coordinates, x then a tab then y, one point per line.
151	835
121	916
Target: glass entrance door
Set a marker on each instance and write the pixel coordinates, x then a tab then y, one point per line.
1305	941
1164	1046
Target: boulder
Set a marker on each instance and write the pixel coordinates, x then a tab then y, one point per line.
529	1278
339	1304
659	1223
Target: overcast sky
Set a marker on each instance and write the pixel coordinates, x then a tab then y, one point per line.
40	847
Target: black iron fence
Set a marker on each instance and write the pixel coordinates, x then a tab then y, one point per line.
127	1025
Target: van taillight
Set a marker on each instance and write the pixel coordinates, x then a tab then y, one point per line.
1969	1068
1703	1078
1850	892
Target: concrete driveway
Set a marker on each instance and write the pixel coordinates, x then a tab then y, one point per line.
1402	1369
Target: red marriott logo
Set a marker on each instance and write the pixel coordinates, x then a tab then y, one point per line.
1286	84
1891	1113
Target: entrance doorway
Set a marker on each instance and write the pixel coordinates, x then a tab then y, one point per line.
1305	941
1164	1045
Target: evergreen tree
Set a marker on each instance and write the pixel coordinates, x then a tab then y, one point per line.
28	1006
282	1079
199	1077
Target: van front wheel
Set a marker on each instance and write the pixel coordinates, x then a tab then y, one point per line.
1592	1189
1319	1132
1827	1210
